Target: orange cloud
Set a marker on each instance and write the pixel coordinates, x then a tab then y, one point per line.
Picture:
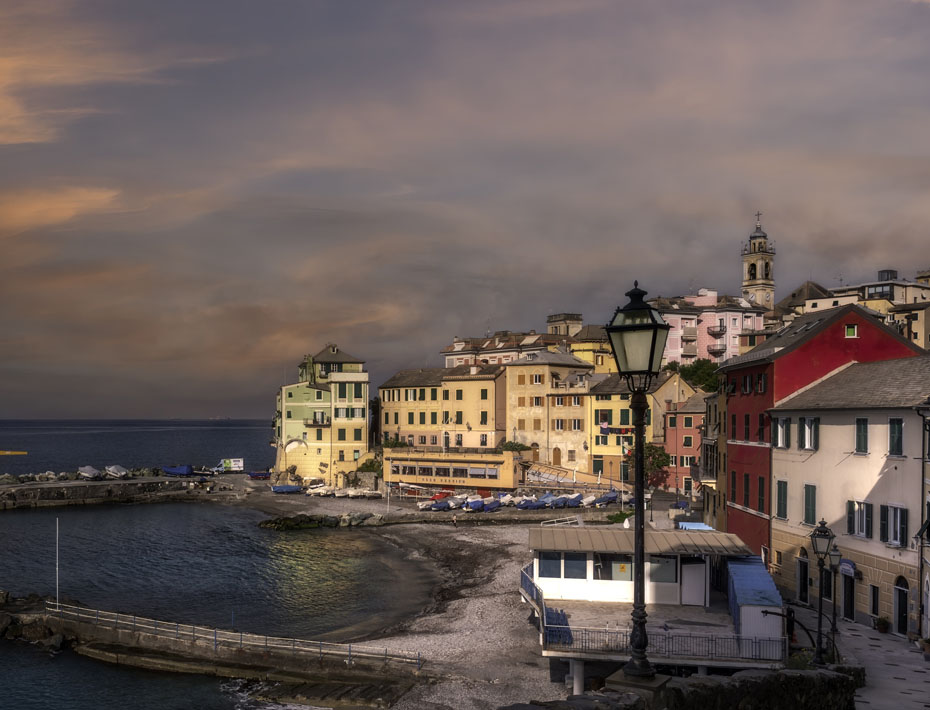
26	209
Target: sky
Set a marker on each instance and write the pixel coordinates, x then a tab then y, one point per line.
195	195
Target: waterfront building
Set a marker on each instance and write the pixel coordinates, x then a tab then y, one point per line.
321	421
712	466
546	407
812	347
852	450
453	407
502	347
451	468
683	426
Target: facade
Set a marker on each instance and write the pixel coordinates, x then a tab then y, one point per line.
683	426
452	468
913	320
591	345
800	354
457	407
545	407
852	450
713	461
706	325
321	421
502	347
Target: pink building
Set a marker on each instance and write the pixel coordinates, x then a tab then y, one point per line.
707	325
683	426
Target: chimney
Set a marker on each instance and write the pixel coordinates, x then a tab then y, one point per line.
474	369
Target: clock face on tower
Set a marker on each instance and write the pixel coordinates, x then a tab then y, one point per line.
768	297
752	297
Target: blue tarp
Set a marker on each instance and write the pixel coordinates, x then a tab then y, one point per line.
749	584
695	526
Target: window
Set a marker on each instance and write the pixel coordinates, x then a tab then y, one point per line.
357	394
576	565
852	331
577	424
745	427
873	600
484	418
422	394
458	417
672	421
538	379
341	434
687	461
624	417
760	432
576	401
687	441
319	395
733	486
689	423
571	455
432	440
809	433
604	416
663	568
862	436
745	490
598	359
342	390
521	401
288	413
601	440
747	384
521	424
673	461
422	417
761	495
290	395
432	394
761	382
558	424
521	379
810	504
432	417
781	432
445	395
617	568
733	425
893	525
537	425
537	402
560	401
781	499
409	417
484	440
458	394
458	439
342	455
422	440
550	564
357	435
484	394
895	437
859	518
319	435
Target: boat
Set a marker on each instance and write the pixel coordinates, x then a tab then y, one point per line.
546	498
606	499
355	493
455	501
558	502
530	503
116	472
426	504
473	503
374	494
506	499
180	471
286	489
89	473
441	495
573	501
441	505
491	506
588	501
260	475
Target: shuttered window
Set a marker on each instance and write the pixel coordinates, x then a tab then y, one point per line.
810	504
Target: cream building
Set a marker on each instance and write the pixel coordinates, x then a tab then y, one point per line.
851	450
321	421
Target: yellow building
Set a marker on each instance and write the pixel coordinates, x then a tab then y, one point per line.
321	421
545	407
913	320
462	468
456	407
591	345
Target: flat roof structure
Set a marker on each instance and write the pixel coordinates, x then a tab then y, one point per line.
595	539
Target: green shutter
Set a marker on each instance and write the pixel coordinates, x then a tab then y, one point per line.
787	442
802	435
850	517
902	528
883	523
815	434
868	520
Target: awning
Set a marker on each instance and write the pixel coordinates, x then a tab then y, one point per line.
592	539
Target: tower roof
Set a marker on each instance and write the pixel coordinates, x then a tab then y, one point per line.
758	234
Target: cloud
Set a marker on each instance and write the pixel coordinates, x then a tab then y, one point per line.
27	209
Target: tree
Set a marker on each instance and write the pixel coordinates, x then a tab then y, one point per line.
655	464
701	373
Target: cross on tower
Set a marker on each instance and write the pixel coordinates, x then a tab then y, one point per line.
758	216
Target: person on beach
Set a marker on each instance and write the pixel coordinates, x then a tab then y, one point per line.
455	521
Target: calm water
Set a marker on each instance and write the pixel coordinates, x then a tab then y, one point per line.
65	445
192	563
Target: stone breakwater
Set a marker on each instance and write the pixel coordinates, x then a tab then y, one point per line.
144	490
311	522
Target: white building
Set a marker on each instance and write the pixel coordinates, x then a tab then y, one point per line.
852	450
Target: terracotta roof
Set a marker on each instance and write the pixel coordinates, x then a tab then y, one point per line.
694	404
423	377
332	353
806	290
547	357
869	385
591	333
656	542
616	384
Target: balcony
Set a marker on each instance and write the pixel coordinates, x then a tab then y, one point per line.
325	421
689	350
689	333
716	331
717	348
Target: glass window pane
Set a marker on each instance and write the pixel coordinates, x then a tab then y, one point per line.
550	564
663	568
576	565
613	567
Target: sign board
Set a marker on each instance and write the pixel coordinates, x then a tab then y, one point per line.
847	567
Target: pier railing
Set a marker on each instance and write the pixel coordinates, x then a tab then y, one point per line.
199	635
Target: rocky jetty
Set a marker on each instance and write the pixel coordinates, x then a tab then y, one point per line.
311	522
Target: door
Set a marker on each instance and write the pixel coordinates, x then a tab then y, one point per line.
802	580
900	606
535	448
557	456
849	597
693	581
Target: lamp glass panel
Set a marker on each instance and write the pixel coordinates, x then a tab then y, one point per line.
633	349
821	542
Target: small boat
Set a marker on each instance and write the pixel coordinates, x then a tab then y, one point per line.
573	501
455	501
473	503
260	475
492	506
546	498
341	493
606	499
441	495
426	504
530	503
374	494
116	472
588	501
179	471
89	473
355	493
558	502
506	499
441	505
286	489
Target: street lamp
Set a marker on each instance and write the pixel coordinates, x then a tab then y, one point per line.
835	558
821	539
637	337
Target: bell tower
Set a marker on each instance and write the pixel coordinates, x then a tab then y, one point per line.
759	268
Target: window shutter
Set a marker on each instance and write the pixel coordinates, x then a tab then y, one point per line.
775	441
868	520
850	517
802	439
815	433
883	523
787	442
902	527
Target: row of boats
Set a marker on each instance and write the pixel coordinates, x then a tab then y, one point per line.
477	503
89	473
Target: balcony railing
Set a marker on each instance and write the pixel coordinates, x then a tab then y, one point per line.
689	333
717	348
715	331
689	350
318	422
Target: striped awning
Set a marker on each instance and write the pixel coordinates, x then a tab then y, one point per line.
657	542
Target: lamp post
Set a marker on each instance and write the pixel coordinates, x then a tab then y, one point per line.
821	539
835	558
637	337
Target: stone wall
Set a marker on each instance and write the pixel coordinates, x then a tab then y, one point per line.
57	494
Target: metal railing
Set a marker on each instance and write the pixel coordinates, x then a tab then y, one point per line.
572	521
228	639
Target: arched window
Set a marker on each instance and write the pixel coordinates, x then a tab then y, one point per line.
752	272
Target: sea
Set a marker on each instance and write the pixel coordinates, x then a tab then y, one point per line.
207	564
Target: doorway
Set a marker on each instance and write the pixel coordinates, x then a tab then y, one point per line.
802	578
535	448
557	456
849	597
900	606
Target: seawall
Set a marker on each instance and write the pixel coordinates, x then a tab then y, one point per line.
46	495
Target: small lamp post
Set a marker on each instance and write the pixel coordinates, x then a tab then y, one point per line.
835	558
637	336
821	539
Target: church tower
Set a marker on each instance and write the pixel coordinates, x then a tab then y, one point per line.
759	268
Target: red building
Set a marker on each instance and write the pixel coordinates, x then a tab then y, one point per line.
809	349
683	427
